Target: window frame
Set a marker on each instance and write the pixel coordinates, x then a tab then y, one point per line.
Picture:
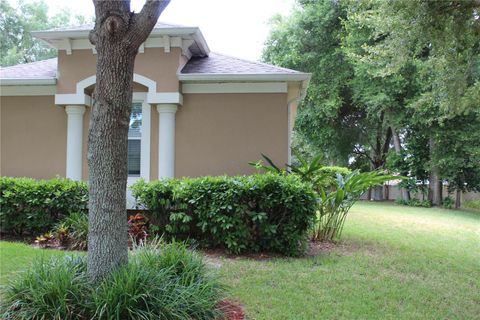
141	97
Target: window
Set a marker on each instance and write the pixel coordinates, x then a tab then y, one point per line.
134	140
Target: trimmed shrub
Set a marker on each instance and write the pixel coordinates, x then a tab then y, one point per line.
166	281
263	212
31	206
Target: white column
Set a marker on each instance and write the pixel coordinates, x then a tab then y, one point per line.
74	141
166	140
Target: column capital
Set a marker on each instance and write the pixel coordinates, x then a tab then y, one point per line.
167	108
75	109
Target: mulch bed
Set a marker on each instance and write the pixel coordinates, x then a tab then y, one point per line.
231	310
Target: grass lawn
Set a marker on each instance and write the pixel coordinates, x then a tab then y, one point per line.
393	263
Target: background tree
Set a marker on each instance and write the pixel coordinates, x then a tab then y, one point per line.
16	43
117	35
388	76
440	39
309	40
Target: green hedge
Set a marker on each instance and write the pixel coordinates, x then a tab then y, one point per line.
268	213
29	206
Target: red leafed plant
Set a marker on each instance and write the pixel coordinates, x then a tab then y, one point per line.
138	227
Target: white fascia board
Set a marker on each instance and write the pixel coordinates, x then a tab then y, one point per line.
235	87
244	77
27	81
21	90
165	98
201	42
81	34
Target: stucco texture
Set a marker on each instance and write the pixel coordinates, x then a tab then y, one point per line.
154	63
220	133
33	137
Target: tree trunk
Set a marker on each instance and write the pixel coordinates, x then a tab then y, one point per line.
398	150
117	35
435	187
458	199
377	193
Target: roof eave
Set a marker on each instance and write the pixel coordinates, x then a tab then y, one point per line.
27	81
244	77
80	34
194	32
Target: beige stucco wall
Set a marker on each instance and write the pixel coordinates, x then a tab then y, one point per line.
154	64
33	137
220	133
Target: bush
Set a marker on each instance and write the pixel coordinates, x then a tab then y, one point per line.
167	281
254	213
72	232
414	203
35	206
448	203
472	204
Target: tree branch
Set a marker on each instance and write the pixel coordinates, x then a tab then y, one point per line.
142	23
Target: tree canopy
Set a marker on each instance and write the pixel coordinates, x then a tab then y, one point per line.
16	43
396	80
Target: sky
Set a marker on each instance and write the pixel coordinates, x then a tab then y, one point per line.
234	27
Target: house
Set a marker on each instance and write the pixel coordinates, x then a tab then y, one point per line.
194	113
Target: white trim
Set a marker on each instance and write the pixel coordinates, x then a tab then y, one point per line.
87	82
79	34
27	81
68	45
166	140
165	97
186	43
147	82
78	99
28	90
166	43
290	129
244	76
145	138
74	141
78	39
235	87
81	98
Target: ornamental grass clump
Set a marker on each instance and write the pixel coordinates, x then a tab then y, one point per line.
51	289
161	281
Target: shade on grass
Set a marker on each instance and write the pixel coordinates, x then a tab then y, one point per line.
394	263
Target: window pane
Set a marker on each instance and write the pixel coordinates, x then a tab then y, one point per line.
135	128
134	157
134	142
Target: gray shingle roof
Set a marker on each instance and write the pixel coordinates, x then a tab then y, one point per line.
213	64
34	70
217	63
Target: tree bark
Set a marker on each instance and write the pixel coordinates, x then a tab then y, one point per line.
117	35
398	150
435	186
458	199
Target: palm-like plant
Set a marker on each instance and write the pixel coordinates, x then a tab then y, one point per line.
336	194
335	202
